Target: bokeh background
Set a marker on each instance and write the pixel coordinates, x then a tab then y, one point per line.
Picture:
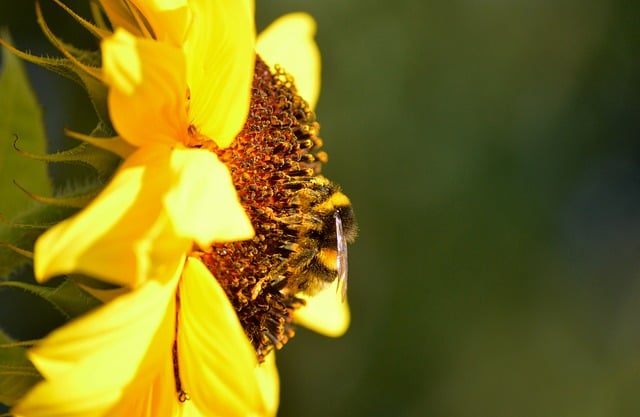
491	150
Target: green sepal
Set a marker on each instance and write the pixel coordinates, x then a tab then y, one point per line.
100	160
79	65
60	66
86	281
85	65
23	230
17	373
67	298
97	91
97	31
20	117
98	16
75	201
63	66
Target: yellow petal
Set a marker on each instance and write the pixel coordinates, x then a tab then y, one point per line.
289	42
269	383
88	363
325	312
203	203
220	60
168	18
124	236
217	361
147	95
153	392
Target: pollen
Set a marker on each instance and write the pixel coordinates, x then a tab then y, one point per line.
274	158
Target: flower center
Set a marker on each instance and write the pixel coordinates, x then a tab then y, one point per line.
272	161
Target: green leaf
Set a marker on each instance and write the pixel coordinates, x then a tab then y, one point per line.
17	373
21	117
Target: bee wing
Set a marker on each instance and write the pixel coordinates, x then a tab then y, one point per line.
341	258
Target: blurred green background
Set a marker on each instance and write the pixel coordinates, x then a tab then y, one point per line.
491	150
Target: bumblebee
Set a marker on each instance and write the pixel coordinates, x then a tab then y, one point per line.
325	225
302	221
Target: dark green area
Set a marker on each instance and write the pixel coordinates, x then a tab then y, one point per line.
492	153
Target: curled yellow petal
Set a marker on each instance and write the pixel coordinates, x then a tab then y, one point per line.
148	99
220	56
121	63
124	236
169	19
203	202
217	361
289	42
88	364
325	312
153	390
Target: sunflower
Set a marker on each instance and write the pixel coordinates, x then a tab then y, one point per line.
173	344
